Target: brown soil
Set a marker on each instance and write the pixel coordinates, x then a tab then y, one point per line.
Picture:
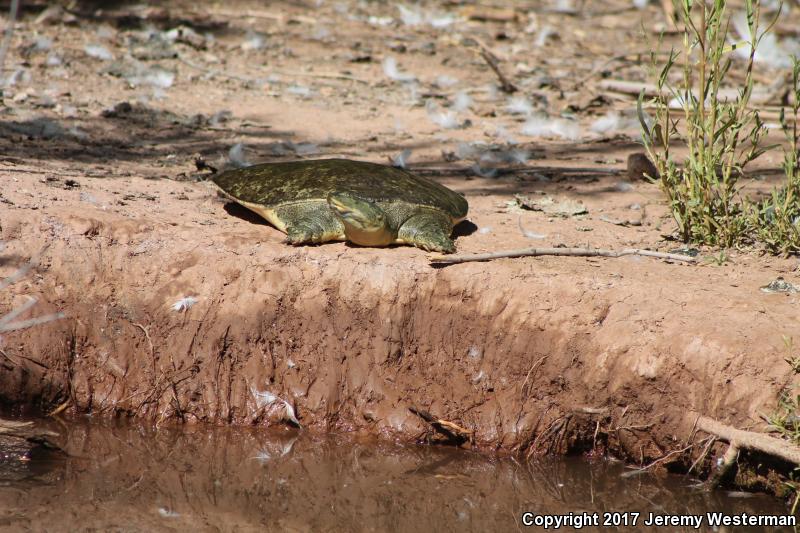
513	349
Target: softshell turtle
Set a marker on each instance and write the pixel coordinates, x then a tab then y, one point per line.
338	199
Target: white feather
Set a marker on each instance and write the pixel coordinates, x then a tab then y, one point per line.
401	159
443	119
544	35
266	398
769	50
519	105
483	172
541	126
184	303
236	156
98	51
253	41
391	70
299	90
608	122
461	102
444	81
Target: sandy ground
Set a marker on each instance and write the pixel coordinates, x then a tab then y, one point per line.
108	115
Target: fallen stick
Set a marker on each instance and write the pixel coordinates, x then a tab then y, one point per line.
750	440
634	88
505	84
450	430
575	252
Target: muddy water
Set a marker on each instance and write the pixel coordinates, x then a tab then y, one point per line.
128	477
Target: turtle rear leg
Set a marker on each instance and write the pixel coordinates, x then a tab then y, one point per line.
429	230
311	222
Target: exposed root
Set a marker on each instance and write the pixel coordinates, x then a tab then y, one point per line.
750	440
728	461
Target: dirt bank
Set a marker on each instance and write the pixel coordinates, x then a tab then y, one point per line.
352	337
532	354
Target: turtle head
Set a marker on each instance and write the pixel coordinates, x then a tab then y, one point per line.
364	222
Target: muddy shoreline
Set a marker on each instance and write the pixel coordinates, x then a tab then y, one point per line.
532	355
130	475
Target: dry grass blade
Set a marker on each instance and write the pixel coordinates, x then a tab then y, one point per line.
7	321
23	270
24	324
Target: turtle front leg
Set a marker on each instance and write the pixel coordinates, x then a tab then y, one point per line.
429	230
310	223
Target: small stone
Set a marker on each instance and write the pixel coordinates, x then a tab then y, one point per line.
641	168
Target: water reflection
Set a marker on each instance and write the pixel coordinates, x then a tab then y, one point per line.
135	478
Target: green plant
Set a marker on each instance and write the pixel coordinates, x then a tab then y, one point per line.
792	358
718	259
776	219
786	419
722	135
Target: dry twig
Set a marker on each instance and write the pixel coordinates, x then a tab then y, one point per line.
494	63
656	462
574	252
450	430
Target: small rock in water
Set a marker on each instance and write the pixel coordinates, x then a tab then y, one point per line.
641	168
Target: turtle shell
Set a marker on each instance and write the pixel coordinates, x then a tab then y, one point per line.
275	184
